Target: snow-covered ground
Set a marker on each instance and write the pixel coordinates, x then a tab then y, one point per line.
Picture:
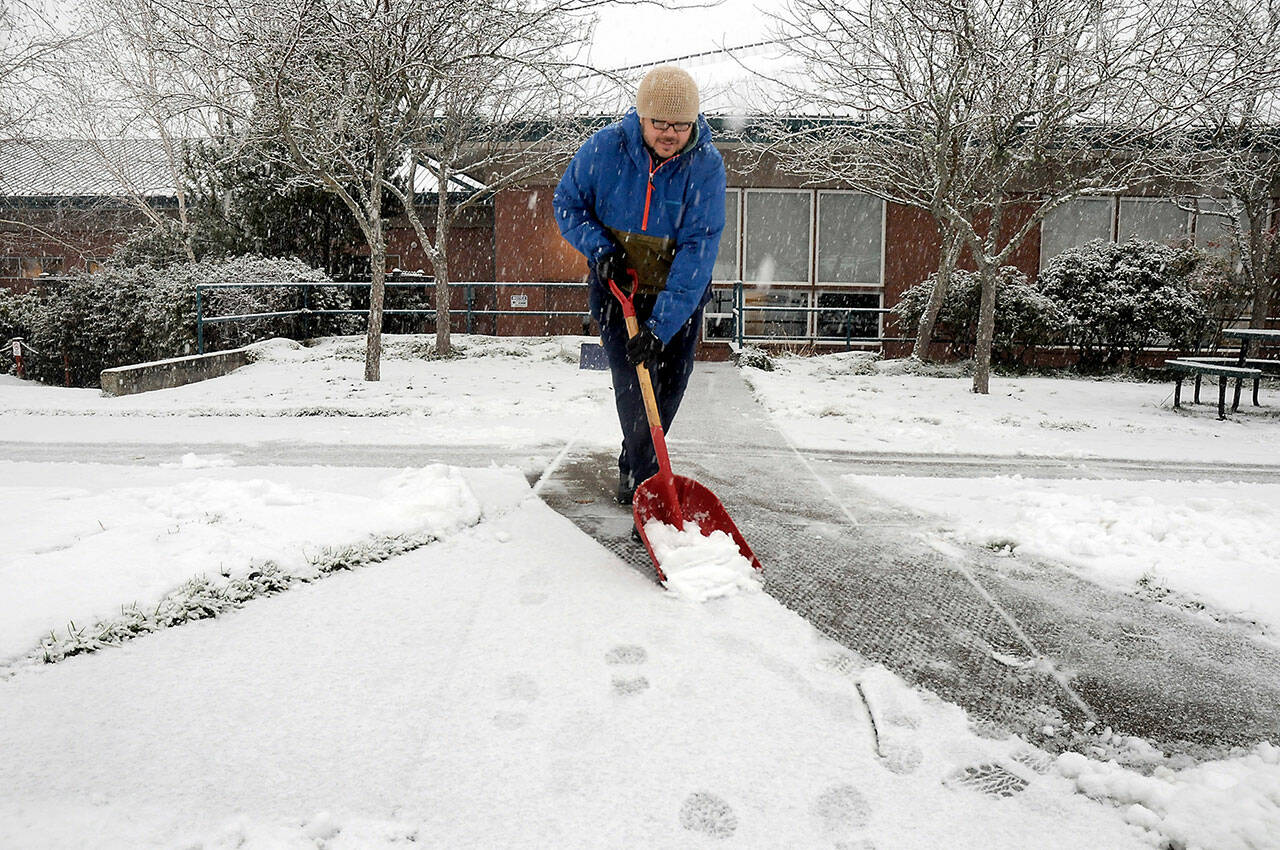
1214	542
502	681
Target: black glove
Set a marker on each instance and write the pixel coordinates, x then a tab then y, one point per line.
613	266
642	347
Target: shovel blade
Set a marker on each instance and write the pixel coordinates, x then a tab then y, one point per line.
696	504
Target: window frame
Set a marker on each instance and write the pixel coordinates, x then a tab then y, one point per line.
1148	200
809	236
816	265
1112	222
738	242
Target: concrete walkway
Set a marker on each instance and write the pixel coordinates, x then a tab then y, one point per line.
1023	645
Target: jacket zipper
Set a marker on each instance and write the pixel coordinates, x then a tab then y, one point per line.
648	193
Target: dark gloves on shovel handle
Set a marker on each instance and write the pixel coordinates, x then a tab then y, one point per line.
643	347
613	266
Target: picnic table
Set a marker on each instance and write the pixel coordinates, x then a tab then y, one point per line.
1239	367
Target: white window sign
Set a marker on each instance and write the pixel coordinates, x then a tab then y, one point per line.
519	300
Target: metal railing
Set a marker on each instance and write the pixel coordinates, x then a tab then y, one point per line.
742	315
470	311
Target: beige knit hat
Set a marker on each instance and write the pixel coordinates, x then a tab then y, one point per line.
667	94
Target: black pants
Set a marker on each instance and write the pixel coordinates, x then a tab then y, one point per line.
669	372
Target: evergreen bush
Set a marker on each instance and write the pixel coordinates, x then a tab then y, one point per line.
1118	298
1024	316
82	324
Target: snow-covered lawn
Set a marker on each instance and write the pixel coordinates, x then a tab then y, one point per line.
499	392
846	401
512	684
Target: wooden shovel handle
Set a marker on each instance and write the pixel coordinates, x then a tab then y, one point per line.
665	475
642	372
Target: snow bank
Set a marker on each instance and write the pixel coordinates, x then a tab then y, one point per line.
1224	805
84	554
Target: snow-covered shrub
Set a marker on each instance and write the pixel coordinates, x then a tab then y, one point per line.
1118	298
1024	316
134	314
1222	291
757	358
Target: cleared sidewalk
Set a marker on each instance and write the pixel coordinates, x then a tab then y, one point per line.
1023	645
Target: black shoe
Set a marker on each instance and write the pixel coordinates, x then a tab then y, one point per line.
626	489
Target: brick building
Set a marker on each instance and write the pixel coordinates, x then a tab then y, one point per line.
806	251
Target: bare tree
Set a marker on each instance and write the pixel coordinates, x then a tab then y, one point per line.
145	69
500	108
1234	150
31	46
330	83
359	88
987	113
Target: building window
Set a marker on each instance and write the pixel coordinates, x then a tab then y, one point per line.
10	267
1214	230
777	227
717	319
774	321
1073	224
93	265
1152	220
33	267
838	322
727	257
850	238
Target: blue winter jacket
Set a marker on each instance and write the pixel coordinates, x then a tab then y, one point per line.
667	217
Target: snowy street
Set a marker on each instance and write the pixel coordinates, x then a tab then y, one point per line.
976	629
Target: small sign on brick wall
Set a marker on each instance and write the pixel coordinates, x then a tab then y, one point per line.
519	300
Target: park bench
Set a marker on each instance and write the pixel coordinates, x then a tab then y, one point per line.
1267	367
1213	366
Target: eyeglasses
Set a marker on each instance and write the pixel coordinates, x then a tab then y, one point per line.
678	126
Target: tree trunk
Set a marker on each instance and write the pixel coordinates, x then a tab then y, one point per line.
929	319
1258	271
377	292
440	262
440	267
986	330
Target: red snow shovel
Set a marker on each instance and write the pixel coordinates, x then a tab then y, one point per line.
669	498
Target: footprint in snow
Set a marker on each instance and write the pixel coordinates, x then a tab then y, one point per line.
627	655
708	814
517	688
842	812
901	757
520	687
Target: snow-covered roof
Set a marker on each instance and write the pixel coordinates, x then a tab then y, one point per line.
67	168
33	168
425	182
